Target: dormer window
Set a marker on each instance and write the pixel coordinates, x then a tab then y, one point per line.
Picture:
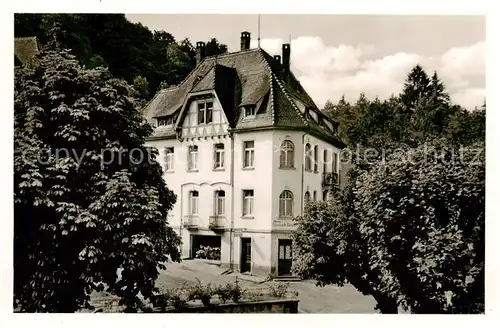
205	108
165	121
249	111
313	115
329	126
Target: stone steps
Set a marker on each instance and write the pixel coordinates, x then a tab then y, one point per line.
287	278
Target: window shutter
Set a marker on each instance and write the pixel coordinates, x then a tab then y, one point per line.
334	163
209	114
290	158
282	158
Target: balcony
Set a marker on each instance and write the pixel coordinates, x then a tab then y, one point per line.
190	222
330	180
217	223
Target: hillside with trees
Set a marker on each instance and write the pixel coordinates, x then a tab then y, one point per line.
130	50
423	111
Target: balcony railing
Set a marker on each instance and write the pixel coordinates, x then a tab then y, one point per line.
217	223
330	180
190	222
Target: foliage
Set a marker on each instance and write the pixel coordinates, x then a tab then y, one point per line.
423	111
141	87
417	86
179	298
280	290
224	292
110	40
236	292
230	292
201	292
89	198
208	252
408	230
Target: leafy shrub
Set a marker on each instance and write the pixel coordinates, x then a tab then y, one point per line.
224	292
179	298
236	291
209	253
279	291
230	292
201	292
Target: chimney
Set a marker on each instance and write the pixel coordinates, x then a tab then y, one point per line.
286	56
200	52
245	41
277	58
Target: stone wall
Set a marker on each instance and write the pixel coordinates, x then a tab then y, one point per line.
110	305
271	306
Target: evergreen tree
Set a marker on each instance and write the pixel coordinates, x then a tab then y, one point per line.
416	87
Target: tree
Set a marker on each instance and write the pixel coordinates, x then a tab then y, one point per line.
213	47
416	87
408	229
89	198
438	92
328	247
141	87
432	110
110	40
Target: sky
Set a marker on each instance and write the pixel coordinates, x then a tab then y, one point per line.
336	55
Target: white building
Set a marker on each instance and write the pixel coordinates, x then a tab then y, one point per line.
232	138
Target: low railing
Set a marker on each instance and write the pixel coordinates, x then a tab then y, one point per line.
217	223
190	222
330	179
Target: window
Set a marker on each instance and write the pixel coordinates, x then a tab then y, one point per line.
325	195
220	202
330	126
285	251
313	114
314	195
193	158
286	155
286	203
249	111
165	121
247	202
308	159
193	202
325	160
205	112
169	159
334	163
316	158
248	154
307	197
219	156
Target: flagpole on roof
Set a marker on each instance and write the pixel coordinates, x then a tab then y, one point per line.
258	31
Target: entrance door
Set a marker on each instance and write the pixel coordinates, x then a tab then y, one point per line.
284	257
246	254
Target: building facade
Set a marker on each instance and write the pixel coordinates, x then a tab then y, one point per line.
244	148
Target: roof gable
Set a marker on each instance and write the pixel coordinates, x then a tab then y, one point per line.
244	78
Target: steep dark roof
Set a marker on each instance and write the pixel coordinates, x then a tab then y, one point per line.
25	48
245	78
